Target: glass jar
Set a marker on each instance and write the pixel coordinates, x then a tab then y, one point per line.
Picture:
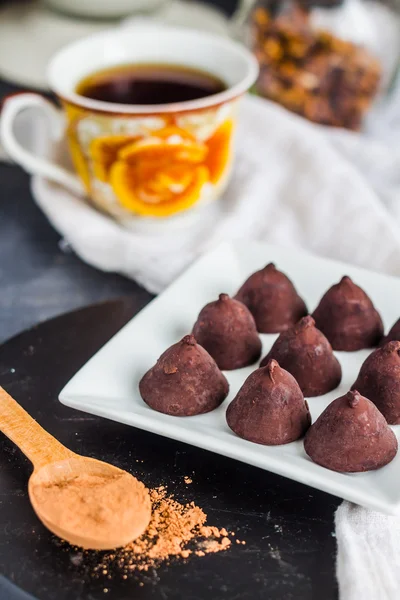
326	60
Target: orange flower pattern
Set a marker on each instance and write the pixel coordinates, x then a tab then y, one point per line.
157	173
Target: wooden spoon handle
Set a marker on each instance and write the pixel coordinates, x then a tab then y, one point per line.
39	446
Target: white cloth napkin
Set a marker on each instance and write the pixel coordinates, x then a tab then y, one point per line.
368	562
295	184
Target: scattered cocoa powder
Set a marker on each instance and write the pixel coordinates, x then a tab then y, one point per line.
209	546
211	531
175	531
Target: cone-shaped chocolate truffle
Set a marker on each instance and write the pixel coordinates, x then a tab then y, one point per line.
393	335
306	353
351	435
269	408
184	381
272	300
379	381
226	329
348	318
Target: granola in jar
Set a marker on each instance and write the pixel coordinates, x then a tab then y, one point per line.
310	71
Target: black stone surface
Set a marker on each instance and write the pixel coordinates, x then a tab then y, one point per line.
288	528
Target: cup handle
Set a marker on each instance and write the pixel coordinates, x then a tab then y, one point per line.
36	165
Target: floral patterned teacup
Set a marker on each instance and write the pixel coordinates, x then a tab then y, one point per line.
135	160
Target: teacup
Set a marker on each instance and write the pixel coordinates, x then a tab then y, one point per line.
108	142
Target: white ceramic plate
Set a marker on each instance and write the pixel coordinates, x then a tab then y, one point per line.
108	384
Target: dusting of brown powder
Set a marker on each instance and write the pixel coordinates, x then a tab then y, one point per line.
94	506
175	531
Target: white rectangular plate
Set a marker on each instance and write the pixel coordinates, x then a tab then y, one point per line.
108	384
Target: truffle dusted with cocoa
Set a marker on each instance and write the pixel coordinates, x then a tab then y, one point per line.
393	335
350	436
269	408
226	329
272	300
348	318
306	353
184	381
379	381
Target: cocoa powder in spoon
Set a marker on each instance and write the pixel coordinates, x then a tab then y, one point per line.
85	504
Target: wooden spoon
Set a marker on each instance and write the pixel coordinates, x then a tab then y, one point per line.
85	501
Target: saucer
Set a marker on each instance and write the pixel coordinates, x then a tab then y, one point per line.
31	33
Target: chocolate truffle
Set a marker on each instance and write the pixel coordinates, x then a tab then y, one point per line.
226	329
379	381
184	381
306	353
348	318
269	408
272	300
393	335
351	435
